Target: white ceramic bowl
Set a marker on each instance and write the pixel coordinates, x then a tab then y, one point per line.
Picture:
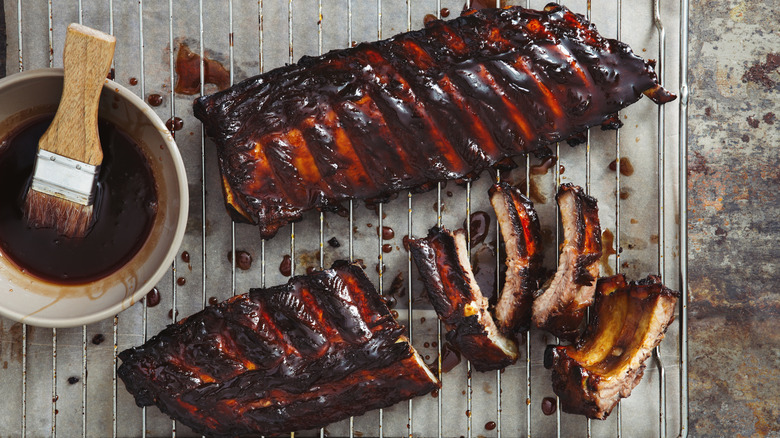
28	299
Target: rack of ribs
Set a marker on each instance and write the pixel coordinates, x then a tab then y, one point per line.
298	356
627	322
561	308
441	103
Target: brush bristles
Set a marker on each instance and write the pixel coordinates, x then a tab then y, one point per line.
69	218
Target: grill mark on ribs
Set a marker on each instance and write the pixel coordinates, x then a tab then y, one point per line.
628	321
443	261
521	233
298	356
560	309
444	102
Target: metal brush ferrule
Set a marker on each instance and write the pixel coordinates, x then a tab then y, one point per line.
64	177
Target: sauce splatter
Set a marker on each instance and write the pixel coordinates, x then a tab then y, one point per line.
181	281
490	425
98	339
185	257
333	242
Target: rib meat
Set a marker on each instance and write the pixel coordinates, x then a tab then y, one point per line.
561	307
441	103
443	261
521	234
628	321
298	356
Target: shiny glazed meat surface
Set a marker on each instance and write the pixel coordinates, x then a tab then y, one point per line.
298	356
521	233
561	308
629	320
440	103
443	261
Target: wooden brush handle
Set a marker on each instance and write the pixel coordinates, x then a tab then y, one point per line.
74	130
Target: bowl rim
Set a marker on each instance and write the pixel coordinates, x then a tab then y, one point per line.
181	223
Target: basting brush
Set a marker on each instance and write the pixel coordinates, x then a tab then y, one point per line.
62	192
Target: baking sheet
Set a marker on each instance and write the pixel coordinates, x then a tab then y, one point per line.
148	32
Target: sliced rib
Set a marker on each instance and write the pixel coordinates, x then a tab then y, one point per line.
560	309
521	234
627	322
443	261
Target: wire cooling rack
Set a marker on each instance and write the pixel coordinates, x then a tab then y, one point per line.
63	381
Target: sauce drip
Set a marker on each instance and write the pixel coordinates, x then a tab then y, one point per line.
174	124
548	406
125	208
243	259
543	167
154	99
397	286
490	425
607	249
483	4
188	72
185	257
479	226
153	297
387	233
450	358
285	267
626	168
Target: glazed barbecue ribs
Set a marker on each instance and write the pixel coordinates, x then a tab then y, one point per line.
561	308
298	356
628	321
445	268
441	103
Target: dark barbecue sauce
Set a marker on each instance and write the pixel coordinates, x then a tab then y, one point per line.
125	208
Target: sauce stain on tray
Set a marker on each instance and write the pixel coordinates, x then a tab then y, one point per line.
188	72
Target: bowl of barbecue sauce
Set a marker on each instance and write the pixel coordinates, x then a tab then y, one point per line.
140	209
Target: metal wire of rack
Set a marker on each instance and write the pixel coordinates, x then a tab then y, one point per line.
41	367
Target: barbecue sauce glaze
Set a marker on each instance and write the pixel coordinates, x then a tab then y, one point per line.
125	208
